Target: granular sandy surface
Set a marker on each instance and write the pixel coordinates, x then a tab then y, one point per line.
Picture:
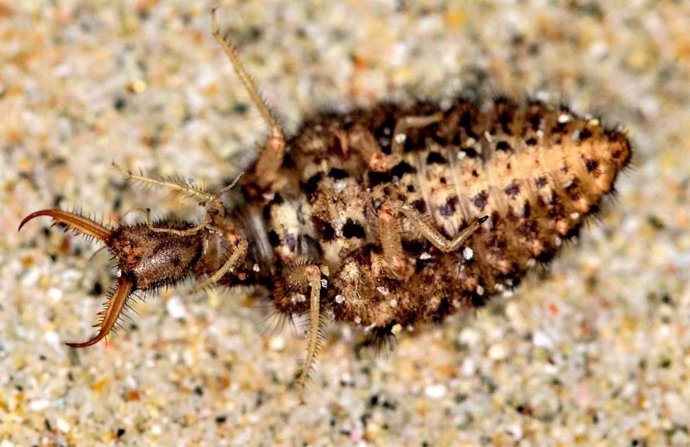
595	351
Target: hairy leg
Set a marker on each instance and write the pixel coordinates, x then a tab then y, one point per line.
389	229
434	236
233	260
362	140
302	276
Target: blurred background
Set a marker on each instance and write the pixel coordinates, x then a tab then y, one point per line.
593	351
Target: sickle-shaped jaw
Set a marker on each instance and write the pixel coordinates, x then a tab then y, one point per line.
125	285
74	222
117	302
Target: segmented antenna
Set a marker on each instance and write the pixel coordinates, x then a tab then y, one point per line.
176	184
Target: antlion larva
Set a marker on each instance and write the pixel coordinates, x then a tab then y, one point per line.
382	218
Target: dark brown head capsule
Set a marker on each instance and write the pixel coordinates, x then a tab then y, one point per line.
148	256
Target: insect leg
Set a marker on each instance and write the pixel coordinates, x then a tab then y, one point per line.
233	260
410	122
301	276
434	236
362	140
389	236
271	157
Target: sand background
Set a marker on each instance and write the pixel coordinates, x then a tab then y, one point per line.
595	351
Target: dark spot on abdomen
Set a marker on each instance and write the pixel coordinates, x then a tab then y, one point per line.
403	168
503	146
481	200
376	178
513	189
312	184
448	208
273	238
337	173
419	205
323	228
353	229
436	158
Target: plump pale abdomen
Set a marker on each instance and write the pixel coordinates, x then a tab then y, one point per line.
536	172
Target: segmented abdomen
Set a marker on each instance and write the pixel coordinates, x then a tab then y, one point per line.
535	171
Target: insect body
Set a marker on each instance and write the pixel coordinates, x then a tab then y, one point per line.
381	218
